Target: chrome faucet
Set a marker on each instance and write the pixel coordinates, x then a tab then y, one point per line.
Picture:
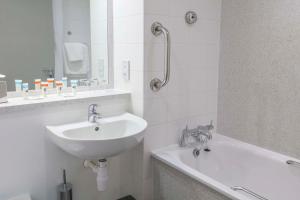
196	137
92	113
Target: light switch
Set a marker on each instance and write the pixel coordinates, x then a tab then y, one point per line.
126	70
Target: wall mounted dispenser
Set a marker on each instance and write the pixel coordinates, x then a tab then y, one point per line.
3	89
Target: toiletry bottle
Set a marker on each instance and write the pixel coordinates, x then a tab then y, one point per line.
50	83
74	84
18	85
65	82
37	84
59	86
3	89
25	89
44	86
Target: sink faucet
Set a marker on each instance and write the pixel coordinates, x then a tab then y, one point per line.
200	136
92	113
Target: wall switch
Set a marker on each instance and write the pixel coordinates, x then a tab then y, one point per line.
126	70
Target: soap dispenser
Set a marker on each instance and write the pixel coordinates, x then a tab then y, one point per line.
65	189
3	89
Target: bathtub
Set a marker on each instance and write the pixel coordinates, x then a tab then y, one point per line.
237	170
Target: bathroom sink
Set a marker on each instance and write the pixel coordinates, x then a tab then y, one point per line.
106	138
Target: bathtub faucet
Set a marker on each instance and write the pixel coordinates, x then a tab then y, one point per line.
206	130
196	137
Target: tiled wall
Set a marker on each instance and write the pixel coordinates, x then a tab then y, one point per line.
191	95
259	73
128	46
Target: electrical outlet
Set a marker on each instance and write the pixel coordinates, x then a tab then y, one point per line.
126	70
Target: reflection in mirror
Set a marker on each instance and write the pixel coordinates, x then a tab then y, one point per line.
54	38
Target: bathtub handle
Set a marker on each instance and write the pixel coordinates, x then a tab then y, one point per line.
238	188
292	162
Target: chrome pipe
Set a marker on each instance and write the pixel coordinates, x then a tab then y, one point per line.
292	162
238	188
156	84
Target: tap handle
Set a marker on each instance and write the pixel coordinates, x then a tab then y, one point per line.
93	108
211	125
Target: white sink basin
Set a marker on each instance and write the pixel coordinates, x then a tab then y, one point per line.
115	135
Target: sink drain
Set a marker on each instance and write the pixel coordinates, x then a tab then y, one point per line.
97	128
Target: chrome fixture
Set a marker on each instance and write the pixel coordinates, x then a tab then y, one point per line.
238	188
156	84
196	152
191	17
292	162
92	113
65	189
196	137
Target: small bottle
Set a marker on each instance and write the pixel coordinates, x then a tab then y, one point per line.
37	84
50	83
65	82
59	86
25	89
18	85
44	86
74	84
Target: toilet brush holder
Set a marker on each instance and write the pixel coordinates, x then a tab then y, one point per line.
64	189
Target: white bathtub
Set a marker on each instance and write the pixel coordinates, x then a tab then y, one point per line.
234	163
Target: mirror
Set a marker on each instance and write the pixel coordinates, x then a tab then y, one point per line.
42	39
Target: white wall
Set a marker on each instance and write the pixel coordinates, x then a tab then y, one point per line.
128	46
191	95
31	163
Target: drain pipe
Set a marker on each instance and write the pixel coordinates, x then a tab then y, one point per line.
101	170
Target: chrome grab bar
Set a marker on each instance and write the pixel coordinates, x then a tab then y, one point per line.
292	162
156	84
238	188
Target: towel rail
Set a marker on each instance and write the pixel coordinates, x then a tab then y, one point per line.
292	162
156	84
238	188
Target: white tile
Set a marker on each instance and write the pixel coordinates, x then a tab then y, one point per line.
124	8
158	7
207	9
175	130
202	80
154	56
155	110
129	52
177	107
129	29
202	103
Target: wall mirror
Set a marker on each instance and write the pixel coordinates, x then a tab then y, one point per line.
42	39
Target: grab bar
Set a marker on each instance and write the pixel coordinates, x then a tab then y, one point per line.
156	84
292	162
238	188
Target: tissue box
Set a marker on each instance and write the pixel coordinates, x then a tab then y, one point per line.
3	92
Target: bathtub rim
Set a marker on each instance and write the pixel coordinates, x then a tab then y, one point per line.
162	155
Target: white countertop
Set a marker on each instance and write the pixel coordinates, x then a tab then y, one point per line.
53	98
